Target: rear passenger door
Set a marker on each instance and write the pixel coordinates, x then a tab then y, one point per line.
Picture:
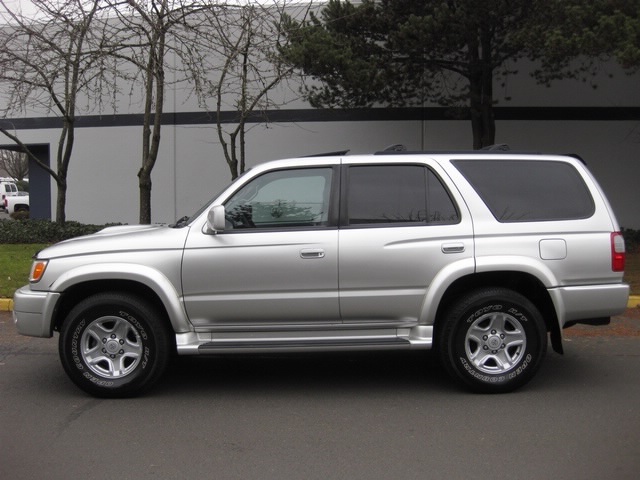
399	226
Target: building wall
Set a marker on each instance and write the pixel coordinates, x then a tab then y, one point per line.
191	169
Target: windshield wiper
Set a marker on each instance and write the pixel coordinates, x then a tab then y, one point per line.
181	223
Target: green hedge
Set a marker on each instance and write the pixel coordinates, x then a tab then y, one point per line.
43	231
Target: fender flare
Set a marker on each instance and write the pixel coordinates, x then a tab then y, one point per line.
147	276
439	286
469	266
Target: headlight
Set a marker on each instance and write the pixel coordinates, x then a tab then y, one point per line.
37	270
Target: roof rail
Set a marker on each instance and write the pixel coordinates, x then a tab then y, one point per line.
400	148
327	154
498	149
396	147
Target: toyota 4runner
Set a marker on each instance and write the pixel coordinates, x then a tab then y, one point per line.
480	255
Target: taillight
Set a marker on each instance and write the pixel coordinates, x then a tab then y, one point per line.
618	254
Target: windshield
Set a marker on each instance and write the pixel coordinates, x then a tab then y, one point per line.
186	220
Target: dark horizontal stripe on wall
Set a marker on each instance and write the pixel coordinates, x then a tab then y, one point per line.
337	115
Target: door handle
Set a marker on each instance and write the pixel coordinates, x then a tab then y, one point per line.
453	248
312	253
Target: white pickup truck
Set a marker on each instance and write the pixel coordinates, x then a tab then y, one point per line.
7	189
16	203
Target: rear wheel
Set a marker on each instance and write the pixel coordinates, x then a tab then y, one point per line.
492	340
114	345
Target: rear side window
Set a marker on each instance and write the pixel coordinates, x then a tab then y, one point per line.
529	191
397	194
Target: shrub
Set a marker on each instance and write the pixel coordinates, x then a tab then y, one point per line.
43	231
20	215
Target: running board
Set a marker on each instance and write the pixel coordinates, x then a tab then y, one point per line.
333	344
199	343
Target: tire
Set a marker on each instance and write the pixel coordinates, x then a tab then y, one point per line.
492	340
114	345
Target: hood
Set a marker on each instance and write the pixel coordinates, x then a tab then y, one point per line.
125	238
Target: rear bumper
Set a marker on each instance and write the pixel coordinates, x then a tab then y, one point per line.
587	304
33	312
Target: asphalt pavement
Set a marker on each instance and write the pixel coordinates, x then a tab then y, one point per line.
387	415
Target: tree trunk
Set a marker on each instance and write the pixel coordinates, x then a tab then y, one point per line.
65	147
233	169
61	201
144	183
481	87
483	122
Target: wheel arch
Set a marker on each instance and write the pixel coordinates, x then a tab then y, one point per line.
145	282
525	284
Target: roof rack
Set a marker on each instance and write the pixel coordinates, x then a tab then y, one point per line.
498	149
396	147
399	148
328	154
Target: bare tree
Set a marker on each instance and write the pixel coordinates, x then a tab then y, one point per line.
246	66
225	52
15	164
153	34
45	65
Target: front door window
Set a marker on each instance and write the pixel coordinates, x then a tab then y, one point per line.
282	199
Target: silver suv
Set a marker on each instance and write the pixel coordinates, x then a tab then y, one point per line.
479	256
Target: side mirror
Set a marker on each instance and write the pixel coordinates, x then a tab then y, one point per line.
216	219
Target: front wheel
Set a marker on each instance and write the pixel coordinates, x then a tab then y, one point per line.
114	345
493	340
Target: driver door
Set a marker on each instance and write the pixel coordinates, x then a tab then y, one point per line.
275	263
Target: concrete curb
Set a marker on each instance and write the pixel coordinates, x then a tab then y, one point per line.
6	304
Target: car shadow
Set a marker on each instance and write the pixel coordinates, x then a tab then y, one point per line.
308	372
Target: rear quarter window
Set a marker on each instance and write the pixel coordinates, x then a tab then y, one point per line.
529	190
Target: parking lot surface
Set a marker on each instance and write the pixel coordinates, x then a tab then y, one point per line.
364	416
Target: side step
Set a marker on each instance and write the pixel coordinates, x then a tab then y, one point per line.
325	344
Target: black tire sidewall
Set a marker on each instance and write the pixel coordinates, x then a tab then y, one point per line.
462	316
139	315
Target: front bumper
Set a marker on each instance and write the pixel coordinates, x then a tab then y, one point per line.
33	312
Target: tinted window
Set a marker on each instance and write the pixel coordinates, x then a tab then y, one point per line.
529	191
397	194
284	198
